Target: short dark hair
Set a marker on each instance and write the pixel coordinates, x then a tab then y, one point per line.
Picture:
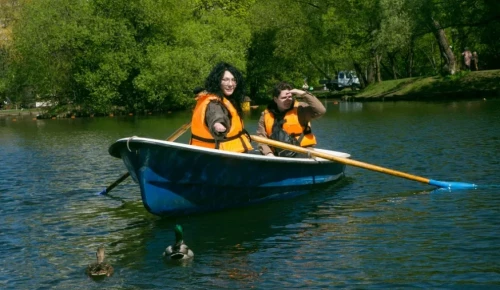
281	86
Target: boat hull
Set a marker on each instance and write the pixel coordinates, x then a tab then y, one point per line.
178	179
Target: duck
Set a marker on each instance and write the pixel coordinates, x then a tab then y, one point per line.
100	268
178	251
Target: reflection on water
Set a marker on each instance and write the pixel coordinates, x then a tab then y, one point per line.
350	107
368	229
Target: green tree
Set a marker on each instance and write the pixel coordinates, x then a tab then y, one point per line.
150	54
171	70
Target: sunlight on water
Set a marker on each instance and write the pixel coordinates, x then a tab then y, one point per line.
370	230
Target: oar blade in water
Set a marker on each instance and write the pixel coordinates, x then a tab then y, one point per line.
452	185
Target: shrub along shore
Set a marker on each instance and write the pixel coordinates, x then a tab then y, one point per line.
463	85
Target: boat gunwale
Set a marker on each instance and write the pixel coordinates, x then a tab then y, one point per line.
142	140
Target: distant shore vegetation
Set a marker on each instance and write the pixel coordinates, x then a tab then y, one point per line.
96	57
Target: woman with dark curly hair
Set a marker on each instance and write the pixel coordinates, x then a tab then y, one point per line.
217	118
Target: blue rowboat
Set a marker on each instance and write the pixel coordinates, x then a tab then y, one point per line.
177	179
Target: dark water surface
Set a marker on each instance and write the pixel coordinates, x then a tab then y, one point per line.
370	230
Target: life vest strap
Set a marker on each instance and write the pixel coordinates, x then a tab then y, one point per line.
226	139
307	130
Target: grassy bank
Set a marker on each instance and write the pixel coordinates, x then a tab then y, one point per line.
474	84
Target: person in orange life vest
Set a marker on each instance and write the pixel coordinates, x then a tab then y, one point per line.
288	120
217	117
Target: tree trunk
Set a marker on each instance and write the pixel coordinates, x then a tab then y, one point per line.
387	69
318	68
409	61
370	72
362	78
444	47
378	59
392	59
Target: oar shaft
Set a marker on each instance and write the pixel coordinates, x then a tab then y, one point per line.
114	184
179	132
343	160
377	168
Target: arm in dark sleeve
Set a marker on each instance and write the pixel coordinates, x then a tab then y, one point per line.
217	113
261	131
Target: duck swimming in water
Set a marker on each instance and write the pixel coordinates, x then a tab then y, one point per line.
99	268
179	251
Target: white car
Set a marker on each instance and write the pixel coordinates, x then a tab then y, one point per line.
348	79
345	79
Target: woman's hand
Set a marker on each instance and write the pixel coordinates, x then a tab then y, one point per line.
297	92
219	127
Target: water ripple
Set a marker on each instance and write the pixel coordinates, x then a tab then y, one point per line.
370	230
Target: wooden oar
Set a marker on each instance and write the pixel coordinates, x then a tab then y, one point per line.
172	137
347	161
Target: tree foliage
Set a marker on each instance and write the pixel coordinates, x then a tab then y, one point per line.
148	55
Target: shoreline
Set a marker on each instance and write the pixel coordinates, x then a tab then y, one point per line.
13	113
462	86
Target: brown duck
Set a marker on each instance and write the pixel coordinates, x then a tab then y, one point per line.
100	268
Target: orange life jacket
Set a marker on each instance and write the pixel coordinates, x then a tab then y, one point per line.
236	140
291	126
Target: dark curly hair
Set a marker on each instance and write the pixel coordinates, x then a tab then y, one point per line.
213	82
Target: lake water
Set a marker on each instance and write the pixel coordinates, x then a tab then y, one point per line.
370	230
